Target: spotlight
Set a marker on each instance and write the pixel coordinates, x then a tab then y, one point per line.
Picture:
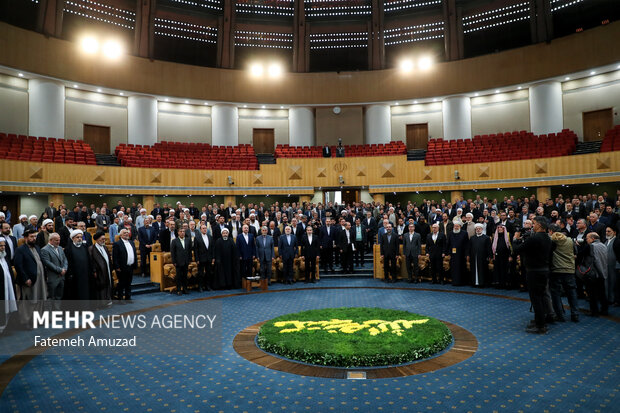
187	101
256	70
89	45
98	90
519	88
230	180
415	102
406	65
567	78
497	91
75	86
122	94
20	74
167	100
425	63
592	73
476	94
275	70
112	49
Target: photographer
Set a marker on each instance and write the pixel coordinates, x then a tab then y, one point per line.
535	251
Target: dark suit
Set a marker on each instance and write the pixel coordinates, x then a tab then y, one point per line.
10	252
65	238
26	265
359	245
327	152
59	223
103	222
327	247
164	239
412	249
389	251
217	231
311	252
181	256
370	228
204	257
247	252
87	239
435	250
51	212
146	239
102	271
287	251
275	234
265	254
346	249
124	272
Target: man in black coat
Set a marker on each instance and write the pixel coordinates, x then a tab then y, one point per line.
480	253
30	276
203	253
287	250
11	246
125	261
389	251
181	255
435	251
167	235
147	235
346	245
310	249
327	238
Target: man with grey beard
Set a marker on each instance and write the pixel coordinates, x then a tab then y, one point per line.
8	303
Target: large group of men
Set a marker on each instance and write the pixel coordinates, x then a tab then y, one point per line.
544	247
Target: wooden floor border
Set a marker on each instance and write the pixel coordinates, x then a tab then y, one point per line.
465	345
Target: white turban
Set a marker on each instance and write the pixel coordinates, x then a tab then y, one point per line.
2	214
469	215
478	225
150	216
143	210
47	221
457	221
225	230
94	215
76	232
23	216
32	216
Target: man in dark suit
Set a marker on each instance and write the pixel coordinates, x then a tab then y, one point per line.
346	240
218	227
246	248
327	238
103	221
445	226
412	248
181	255
435	251
265	253
51	211
30	276
147	235
389	251
203	252
287	250
11	246
167	235
369	226
310	250
65	232
156	210
125	261
274	232
60	219
327	152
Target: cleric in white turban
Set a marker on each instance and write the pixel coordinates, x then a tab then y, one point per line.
78	277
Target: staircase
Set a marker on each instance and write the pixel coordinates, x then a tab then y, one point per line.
106	159
416	154
266	158
366	271
143	285
588	147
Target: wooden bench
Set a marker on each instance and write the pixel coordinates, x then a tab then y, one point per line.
248	284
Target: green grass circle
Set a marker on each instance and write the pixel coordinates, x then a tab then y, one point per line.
315	344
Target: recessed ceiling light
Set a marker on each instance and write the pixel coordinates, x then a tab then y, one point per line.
567	78
166	99
415	102
592	72
206	103
396	103
476	94
263	106
245	106
98	90
20	74
519	88
435	100
122	94
497	91
281	107
187	101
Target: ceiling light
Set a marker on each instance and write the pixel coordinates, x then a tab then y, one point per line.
122	94
75	86
519	88
406	65
263	107
187	101
476	94
206	103
396	103
425	63
275	70
112	49
435	100
20	74
497	91
281	107
592	73
245	106
256	70
415	102
89	45
98	90
166	99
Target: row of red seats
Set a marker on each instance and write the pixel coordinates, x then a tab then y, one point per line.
500	147
180	155
611	141
392	148
42	149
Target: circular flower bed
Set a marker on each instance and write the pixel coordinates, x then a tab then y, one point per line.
354	337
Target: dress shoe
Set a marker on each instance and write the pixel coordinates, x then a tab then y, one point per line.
537	330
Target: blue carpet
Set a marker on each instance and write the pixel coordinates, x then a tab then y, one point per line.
573	368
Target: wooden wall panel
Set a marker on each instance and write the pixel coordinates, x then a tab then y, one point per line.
32	52
301	176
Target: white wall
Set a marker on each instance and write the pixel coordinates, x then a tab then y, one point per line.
403	115
502	112
591	93
83	107
13	105
183	123
31	205
263	118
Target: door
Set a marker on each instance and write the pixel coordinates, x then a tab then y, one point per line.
12	204
596	124
263	140
417	136
98	137
349	196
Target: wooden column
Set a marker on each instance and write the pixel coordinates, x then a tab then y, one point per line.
301	40
542	193
454	195
453	30
376	42
57	199
304	198
145	28
230	198
378	198
49	17
147	203
226	36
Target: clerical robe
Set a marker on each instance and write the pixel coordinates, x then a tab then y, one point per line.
457	247
226	264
